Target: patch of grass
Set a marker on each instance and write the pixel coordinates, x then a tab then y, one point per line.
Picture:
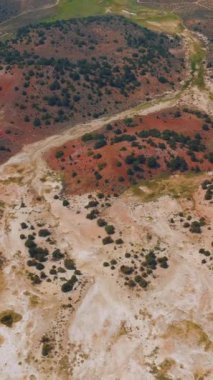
177	186
67	9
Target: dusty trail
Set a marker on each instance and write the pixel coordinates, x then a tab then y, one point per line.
31	156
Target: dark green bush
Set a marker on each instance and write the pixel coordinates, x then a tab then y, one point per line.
110	229
44	232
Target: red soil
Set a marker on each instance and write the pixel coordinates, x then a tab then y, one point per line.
77	156
117	75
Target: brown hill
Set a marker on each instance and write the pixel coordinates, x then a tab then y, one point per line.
71	71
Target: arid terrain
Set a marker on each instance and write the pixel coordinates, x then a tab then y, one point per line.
103	66
126	151
106	193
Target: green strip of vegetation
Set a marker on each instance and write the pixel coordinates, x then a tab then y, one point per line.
67	9
197	66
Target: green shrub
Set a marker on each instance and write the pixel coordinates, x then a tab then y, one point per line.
101	222
69	285
126	269
24	226
110	229
57	255
59	154
69	264
66	203
93	214
152	162
178	163
92	203
100	144
46	349
44	232
119	241
129	122
163	261
195	227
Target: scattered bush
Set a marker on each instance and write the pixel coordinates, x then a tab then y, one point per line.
126	269
57	255
66	203
107	240
177	163
69	285
152	162
59	154
69	264
195	227
101	222
44	232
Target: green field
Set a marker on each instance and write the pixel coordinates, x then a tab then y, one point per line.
155	19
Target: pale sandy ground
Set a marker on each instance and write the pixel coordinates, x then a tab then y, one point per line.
111	332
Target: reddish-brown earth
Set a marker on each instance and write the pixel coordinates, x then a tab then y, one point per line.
78	70
81	168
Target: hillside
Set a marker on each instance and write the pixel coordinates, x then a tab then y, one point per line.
65	72
127	151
